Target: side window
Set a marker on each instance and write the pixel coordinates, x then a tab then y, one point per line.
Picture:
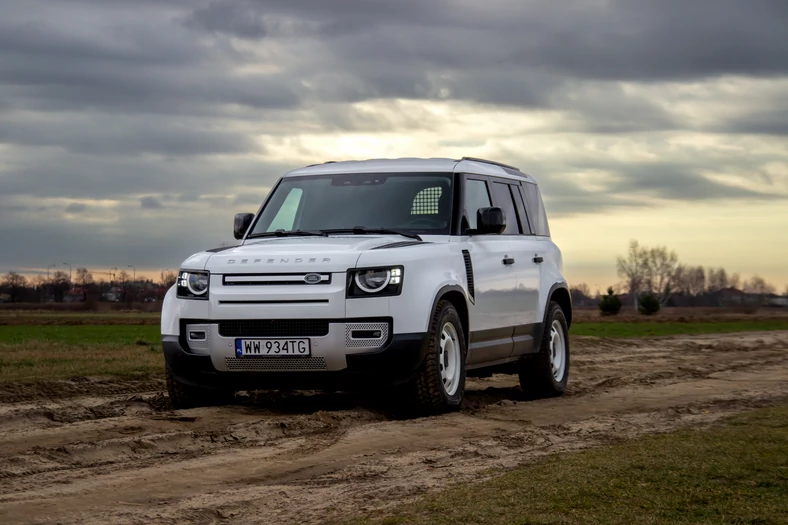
426	201
476	196
536	211
503	198
286	215
518	201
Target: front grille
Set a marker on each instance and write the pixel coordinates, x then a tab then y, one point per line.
283	279
261	364
274	328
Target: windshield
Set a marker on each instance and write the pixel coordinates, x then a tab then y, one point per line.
417	203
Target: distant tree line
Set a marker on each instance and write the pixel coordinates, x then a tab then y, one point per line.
58	287
657	273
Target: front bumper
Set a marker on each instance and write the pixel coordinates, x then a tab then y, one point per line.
394	363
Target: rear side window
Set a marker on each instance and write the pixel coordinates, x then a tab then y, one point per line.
535	208
503	198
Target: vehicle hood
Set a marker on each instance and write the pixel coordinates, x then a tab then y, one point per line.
294	254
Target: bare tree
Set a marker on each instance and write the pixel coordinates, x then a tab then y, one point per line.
785	293
690	280
757	285
582	289
15	284
648	269
580	293
660	269
168	279
123	276
633	269
718	279
696	281
734	280
61	283
84	277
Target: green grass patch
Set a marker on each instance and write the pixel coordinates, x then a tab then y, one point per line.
634	329
81	334
733	474
37	353
36	361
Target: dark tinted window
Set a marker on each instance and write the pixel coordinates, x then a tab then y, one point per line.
476	196
518	200
535	208
503	198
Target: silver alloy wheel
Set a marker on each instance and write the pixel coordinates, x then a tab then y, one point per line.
449	359
557	350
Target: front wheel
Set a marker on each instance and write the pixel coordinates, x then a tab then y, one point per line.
546	374
439	384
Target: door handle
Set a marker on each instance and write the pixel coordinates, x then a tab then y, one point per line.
508	260
538	259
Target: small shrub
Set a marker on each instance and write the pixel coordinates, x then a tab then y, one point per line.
610	303
648	305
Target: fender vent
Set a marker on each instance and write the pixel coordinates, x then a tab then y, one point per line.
469	273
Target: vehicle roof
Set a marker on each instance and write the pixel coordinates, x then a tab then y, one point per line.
403	165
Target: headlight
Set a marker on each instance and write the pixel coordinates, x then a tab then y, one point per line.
375	281
193	284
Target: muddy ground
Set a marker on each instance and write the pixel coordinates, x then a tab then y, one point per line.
99	451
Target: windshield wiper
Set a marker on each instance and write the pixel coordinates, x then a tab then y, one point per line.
361	230
288	233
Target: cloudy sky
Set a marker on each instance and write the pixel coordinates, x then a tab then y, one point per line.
131	131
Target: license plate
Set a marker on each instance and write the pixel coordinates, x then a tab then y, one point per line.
271	347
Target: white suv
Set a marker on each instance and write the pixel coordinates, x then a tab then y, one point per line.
409	272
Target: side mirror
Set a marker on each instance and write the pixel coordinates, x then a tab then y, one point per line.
490	220
241	224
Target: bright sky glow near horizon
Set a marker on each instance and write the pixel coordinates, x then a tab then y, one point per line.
132	131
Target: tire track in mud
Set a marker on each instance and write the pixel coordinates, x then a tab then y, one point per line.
122	456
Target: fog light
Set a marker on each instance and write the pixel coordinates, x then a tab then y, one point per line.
196	336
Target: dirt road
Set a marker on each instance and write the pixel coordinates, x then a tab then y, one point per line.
106	452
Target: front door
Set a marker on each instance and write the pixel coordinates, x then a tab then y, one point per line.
493	312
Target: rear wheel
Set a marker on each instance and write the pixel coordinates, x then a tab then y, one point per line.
439	385
188	396
546	374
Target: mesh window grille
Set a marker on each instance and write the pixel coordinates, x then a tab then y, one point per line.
426	201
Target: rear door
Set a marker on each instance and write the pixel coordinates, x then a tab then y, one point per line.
495	282
524	302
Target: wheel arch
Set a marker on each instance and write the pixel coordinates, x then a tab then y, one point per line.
456	296
559	293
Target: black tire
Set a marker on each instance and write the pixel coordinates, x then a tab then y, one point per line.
428	394
536	374
188	396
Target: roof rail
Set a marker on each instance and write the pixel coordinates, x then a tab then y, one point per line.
501	164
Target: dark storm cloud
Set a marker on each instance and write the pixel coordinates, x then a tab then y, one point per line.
150	203
173	106
76	207
95	135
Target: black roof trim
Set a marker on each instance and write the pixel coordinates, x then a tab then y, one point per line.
501	164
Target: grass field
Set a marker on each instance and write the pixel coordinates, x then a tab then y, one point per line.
35	353
46	345
733	474
630	329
